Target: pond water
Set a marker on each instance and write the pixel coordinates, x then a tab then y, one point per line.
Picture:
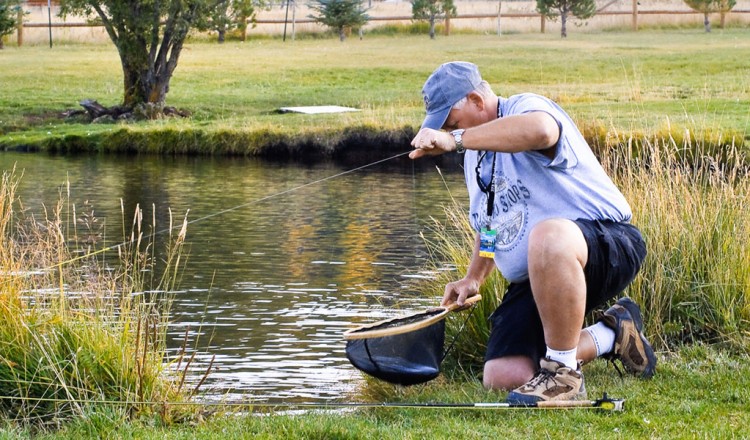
283	257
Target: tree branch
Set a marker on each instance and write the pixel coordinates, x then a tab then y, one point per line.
155	23
108	25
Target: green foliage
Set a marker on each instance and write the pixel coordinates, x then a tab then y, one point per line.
711	6
229	15
431	10
581	9
340	15
8	17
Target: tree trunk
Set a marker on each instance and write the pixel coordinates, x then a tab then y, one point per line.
563	22
243	28
706	22
149	56
144	82
432	27
342	34
134	89
222	35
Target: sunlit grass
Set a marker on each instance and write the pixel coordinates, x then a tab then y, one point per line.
645	85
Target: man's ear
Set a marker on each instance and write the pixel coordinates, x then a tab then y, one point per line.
476	99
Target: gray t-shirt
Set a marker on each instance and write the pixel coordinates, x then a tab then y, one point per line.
531	187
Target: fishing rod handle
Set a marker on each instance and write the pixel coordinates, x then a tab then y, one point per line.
608	404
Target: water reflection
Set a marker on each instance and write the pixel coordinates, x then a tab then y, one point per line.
272	280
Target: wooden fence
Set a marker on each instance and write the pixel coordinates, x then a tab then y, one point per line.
634	12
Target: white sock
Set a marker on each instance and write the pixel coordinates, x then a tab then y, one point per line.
565	357
603	336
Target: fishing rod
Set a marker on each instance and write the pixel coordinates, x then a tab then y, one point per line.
606	403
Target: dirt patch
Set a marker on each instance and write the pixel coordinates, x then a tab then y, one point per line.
40	118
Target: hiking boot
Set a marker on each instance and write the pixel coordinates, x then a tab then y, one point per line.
553	381
631	347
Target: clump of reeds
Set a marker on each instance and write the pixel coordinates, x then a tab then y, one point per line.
83	325
691	202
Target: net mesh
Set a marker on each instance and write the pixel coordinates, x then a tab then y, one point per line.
407	358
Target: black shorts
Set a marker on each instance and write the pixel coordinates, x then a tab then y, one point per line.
615	254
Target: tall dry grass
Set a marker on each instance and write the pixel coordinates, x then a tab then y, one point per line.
692	203
84	324
693	210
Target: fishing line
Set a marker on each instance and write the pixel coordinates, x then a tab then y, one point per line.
281	193
218	213
455	337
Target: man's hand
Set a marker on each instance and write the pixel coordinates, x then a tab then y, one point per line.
458	291
429	142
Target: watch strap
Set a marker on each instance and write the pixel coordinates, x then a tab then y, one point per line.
458	137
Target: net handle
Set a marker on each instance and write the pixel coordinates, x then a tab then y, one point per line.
361	332
468	302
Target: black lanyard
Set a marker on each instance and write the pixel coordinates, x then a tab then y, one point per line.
488	188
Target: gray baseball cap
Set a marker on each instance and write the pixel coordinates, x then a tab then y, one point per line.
447	85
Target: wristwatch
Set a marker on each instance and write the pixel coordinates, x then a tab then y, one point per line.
457	135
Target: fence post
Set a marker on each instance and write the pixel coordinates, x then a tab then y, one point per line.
286	18
294	20
635	15
499	15
19	26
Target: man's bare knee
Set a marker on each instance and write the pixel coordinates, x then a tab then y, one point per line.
508	373
556	239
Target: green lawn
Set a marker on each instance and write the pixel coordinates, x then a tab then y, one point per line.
646	83
697	393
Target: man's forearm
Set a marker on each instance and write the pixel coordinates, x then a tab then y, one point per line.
512	134
479	267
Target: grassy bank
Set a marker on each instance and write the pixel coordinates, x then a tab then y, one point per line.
699	393
651	84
